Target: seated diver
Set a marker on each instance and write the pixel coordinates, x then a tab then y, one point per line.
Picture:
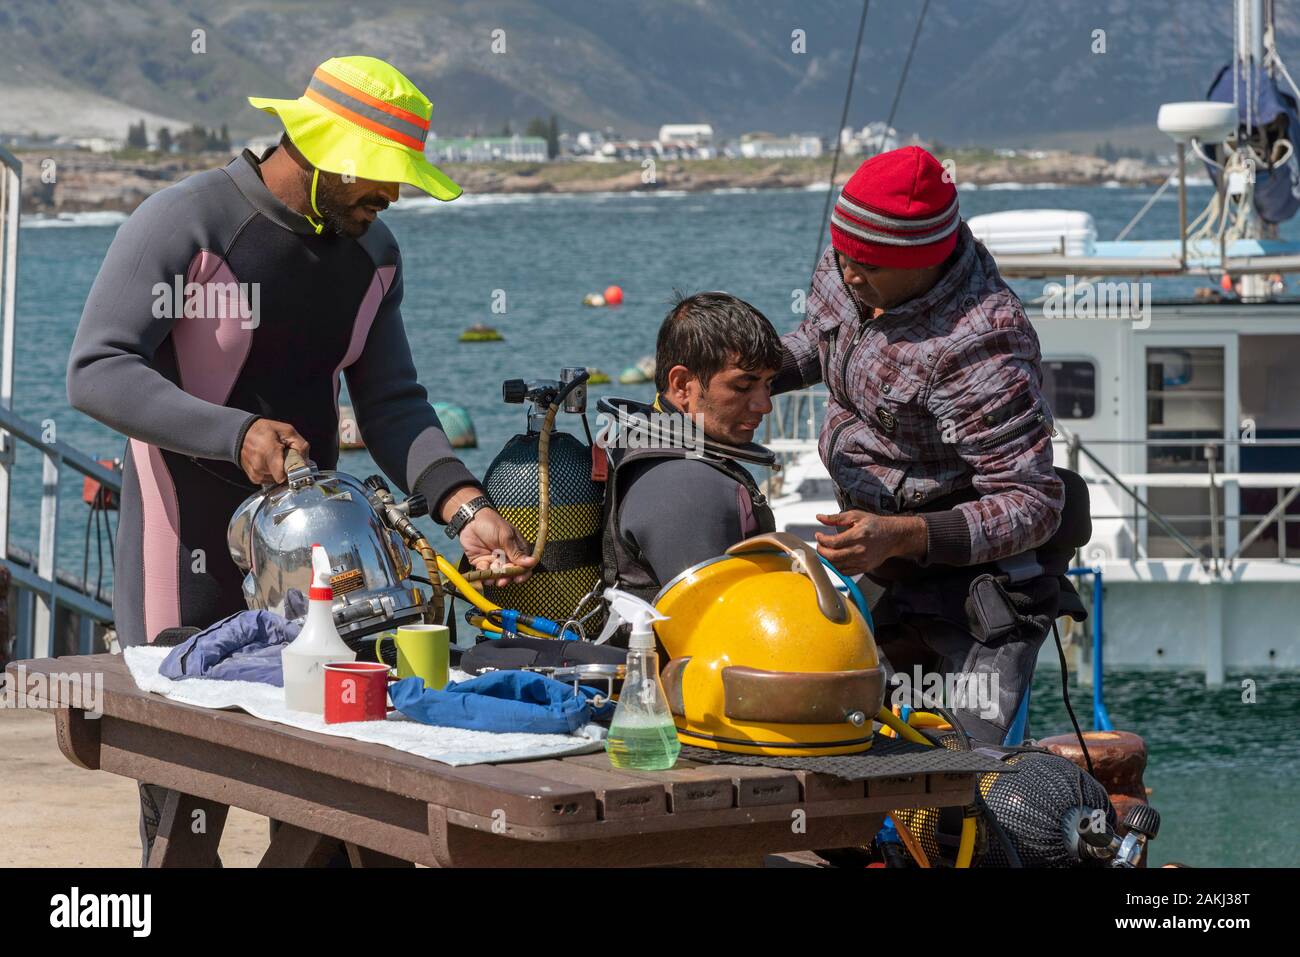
675	498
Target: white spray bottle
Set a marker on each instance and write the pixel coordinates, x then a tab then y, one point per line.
318	644
642	735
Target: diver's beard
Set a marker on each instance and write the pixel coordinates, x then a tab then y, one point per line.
339	223
342	225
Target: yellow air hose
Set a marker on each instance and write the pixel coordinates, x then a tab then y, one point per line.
476	597
966	846
902	728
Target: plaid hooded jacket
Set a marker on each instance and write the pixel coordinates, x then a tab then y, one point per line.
935	407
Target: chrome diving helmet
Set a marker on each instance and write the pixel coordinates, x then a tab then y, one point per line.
271	534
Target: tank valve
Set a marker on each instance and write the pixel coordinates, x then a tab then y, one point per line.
1102	843
514	391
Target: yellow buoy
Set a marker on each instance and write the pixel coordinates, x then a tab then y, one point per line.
481	333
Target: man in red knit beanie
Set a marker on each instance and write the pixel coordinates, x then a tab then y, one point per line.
937	437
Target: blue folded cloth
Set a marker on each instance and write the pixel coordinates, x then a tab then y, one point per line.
244	647
500	701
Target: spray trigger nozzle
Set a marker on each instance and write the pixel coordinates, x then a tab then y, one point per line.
626	607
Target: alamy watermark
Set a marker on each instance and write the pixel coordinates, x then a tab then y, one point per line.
208	300
82	690
964	690
654	430
1098	300
75	909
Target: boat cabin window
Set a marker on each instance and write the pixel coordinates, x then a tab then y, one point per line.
1070	387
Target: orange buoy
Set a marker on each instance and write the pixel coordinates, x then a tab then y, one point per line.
1226	283
613	296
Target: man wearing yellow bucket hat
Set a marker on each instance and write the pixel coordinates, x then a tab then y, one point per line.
364	125
228	307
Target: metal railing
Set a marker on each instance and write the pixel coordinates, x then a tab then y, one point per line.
793	423
49	587
794	416
10	211
37	578
1217	562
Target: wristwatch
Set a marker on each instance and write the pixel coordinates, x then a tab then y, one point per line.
465	514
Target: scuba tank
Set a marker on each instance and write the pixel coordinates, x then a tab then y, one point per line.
571	561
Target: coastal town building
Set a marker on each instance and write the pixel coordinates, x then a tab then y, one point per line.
487	149
877	137
695	135
768	146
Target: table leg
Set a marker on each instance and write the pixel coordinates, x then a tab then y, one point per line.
189	832
293	846
78	737
365	857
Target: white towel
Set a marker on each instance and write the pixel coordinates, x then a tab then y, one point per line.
453	746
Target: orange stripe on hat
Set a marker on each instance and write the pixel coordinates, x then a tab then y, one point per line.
369	100
359	120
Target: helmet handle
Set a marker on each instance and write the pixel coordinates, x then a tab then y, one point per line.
829	600
296	469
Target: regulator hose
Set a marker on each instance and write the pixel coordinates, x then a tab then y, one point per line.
543	489
430	557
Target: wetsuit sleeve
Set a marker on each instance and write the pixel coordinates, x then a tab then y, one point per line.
680	513
128	314
401	431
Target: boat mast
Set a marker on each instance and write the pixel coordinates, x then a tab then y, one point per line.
1254	19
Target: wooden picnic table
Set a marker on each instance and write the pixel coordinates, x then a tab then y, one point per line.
391	808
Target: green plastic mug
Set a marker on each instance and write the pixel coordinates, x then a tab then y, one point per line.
422	650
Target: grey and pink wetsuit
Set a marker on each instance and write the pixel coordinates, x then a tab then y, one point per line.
184	380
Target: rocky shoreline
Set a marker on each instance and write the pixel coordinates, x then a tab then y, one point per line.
75	182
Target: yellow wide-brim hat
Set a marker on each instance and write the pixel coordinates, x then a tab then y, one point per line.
362	116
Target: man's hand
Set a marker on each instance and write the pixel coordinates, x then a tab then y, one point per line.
262	454
870	540
486	536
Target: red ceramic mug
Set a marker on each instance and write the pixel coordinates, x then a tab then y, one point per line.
356	691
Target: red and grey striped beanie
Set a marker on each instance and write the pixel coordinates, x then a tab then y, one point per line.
898	210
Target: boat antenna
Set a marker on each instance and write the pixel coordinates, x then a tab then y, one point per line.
907	64
844	113
844	118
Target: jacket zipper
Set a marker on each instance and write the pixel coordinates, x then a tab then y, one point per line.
852	343
1038	421
835	434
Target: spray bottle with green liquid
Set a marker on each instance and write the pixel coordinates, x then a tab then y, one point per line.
642	735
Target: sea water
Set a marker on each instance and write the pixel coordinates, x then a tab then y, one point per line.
643	743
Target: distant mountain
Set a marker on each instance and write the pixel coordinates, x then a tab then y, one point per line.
1013	72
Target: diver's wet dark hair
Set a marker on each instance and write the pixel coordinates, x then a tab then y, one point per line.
702	332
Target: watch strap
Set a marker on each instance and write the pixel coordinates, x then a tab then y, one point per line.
465	514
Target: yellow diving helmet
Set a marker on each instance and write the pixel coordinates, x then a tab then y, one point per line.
766	656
